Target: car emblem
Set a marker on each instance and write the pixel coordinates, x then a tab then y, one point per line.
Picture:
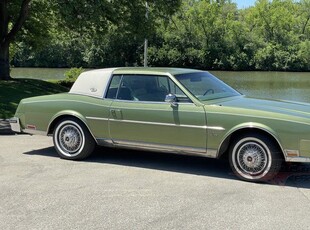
93	90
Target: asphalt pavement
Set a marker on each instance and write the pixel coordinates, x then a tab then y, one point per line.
121	189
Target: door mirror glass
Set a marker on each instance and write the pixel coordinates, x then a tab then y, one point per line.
171	98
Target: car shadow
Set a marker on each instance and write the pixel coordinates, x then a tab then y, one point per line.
292	175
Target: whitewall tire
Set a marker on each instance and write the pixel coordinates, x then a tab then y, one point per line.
72	139
254	157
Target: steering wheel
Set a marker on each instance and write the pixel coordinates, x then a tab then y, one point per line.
209	90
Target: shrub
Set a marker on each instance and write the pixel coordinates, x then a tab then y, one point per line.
73	73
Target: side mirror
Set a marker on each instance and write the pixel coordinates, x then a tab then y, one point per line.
172	99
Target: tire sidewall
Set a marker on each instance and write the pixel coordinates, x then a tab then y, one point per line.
272	155
87	143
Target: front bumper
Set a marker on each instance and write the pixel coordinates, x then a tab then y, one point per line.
15	125
298	159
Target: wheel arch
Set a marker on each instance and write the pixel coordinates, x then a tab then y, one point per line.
67	114
248	128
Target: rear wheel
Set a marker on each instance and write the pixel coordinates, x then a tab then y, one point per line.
72	139
254	157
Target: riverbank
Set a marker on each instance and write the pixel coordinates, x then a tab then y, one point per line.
292	86
59	73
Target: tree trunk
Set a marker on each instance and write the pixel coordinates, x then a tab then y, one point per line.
4	45
7	37
4	62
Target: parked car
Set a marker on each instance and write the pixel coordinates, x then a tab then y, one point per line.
175	110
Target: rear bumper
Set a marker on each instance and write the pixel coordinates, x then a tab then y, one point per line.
15	125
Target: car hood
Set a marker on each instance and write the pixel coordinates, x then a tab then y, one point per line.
288	108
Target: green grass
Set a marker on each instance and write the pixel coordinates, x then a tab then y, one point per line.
11	92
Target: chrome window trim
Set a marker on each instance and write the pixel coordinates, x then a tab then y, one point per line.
167	75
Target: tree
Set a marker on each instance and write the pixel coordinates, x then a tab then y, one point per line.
32	19
196	35
8	32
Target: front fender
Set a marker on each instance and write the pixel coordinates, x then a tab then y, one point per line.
247	126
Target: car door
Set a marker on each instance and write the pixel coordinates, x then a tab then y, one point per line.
140	117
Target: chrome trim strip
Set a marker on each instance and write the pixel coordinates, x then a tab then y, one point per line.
212	153
260	117
105	142
216	128
159	123
151	102
298	159
85	94
65	100
168	109
168	124
160	148
97	118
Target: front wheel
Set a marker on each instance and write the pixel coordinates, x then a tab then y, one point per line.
72	139
255	157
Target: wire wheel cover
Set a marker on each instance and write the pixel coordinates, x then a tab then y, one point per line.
252	158
70	138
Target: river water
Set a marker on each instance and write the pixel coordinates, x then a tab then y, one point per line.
293	86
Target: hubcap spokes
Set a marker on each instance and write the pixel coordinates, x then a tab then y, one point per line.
252	158
70	138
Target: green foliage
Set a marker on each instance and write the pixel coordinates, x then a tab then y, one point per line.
71	76
73	73
272	35
12	51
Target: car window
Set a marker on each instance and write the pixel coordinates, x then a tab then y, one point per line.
114	85
204	86
170	86
143	88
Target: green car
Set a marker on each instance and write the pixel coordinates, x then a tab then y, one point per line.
182	111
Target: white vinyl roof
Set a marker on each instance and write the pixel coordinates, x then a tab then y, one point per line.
92	83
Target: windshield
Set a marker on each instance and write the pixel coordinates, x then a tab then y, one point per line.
205	86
